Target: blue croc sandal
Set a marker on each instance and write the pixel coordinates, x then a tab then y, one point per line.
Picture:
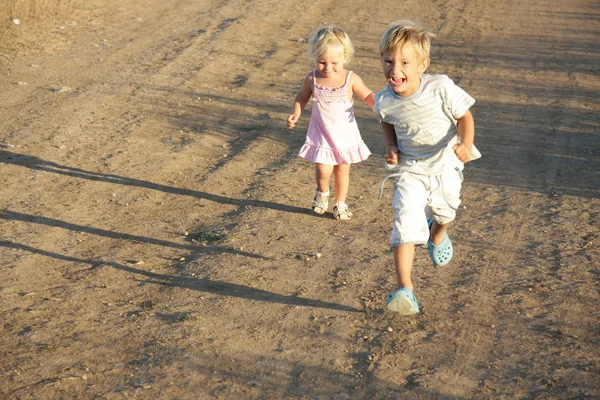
441	254
403	301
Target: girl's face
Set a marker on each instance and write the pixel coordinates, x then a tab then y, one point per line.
331	63
402	69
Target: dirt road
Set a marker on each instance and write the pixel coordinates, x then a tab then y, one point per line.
157	238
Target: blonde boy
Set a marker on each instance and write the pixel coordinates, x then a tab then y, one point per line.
428	131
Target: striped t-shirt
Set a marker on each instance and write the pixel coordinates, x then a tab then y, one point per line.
425	123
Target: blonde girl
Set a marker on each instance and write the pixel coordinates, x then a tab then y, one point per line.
333	140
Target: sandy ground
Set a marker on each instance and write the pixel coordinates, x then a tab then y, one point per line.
156	233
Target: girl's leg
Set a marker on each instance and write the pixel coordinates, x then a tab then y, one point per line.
322	175
341	173
404	255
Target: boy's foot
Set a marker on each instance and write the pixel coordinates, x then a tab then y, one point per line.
320	202
340	211
403	301
441	254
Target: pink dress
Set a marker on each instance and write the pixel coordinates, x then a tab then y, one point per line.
333	136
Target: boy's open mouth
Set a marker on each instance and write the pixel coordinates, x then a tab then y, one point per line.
397	81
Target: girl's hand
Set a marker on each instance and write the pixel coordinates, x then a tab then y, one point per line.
462	152
291	121
391	155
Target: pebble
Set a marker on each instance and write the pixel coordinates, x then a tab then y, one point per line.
60	90
390	329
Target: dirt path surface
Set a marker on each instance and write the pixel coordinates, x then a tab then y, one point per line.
156	236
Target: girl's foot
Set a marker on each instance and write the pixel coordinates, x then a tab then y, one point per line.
320	202
340	211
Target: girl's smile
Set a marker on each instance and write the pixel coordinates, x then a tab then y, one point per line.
331	64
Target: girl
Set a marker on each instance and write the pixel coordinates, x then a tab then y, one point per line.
333	140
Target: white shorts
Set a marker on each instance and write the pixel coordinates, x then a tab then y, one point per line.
418	197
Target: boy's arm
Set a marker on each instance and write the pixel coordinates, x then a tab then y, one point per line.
466	132
300	101
362	91
391	143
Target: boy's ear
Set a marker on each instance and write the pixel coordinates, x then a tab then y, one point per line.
424	65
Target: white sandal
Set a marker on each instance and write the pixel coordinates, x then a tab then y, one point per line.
340	211
320	202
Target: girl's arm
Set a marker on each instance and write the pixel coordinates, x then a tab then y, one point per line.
300	102
391	144
362	91
466	132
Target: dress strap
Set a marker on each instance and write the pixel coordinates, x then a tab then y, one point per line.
348	77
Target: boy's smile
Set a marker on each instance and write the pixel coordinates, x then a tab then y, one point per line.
402	69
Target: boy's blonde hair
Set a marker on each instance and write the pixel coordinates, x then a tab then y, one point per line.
403	32
329	38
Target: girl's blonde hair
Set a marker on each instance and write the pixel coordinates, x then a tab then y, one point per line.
330	38
402	32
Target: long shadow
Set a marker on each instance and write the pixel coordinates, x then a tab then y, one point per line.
35	163
16	216
198	284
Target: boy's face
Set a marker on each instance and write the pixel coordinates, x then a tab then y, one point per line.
402	69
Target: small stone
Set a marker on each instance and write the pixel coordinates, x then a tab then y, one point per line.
185	233
61	90
182	259
390	329
318	255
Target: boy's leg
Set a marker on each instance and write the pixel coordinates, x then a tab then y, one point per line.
444	202
437	232
410	228
404	255
402	300
341	172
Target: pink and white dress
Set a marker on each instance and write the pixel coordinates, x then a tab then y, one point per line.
333	137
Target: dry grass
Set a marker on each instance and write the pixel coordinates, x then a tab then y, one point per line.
31	15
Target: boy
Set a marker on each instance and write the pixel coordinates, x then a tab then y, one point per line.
429	132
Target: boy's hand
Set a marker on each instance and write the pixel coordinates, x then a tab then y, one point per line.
391	155
291	121
462	152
